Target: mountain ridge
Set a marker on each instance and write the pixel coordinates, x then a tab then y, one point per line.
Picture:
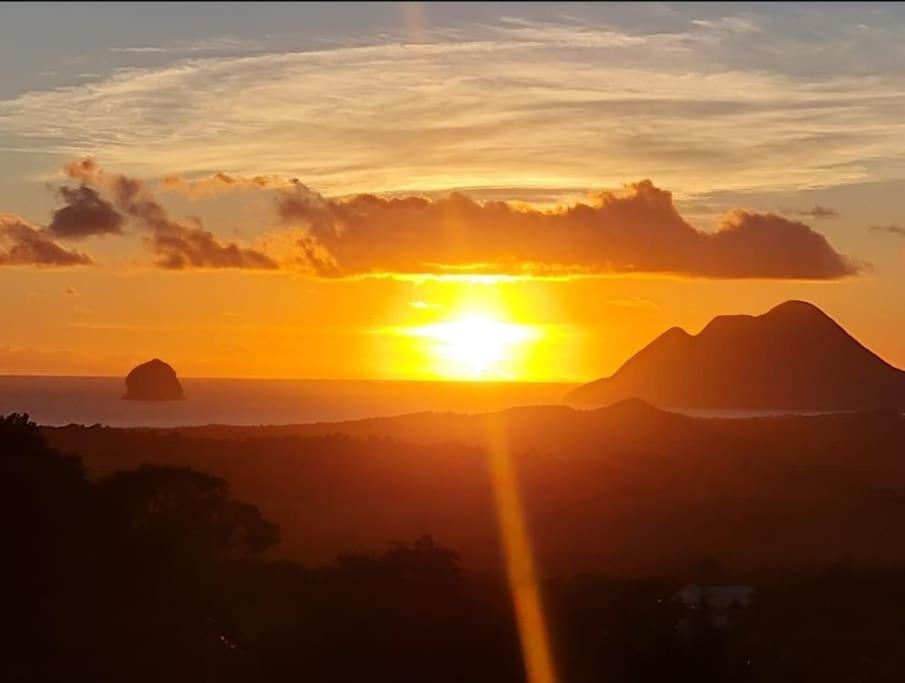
793	357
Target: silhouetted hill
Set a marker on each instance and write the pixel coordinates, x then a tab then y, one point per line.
793	357
553	426
155	573
623	489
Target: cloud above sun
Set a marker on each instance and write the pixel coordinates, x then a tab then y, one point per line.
566	103
84	214
176	244
637	230
23	244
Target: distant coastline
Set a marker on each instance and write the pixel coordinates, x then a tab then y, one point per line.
62	400
55	400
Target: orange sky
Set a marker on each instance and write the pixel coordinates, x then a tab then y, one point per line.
274	325
594	176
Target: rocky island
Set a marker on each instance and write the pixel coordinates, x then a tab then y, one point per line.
153	381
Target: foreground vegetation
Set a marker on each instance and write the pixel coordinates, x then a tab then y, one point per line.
156	573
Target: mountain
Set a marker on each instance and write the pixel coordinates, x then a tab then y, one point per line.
794	357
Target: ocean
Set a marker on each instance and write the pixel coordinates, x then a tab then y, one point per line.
98	400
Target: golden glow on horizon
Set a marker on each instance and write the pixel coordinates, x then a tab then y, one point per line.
476	346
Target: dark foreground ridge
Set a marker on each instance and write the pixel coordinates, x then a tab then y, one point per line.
794	357
153	381
668	548
628	489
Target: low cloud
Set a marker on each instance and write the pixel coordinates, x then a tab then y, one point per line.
219	183
891	229
23	244
180	247
638	230
84	214
818	212
178	244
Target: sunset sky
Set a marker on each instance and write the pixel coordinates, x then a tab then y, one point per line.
361	191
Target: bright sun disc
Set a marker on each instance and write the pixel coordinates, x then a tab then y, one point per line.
475	346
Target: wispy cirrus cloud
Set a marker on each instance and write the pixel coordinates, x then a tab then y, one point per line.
213	45
729	24
891	229
517	104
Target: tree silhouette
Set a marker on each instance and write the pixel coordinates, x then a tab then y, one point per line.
113	580
178	511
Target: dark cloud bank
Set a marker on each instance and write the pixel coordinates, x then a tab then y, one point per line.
178	245
22	244
84	214
638	230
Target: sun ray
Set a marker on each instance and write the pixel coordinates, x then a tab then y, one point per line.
519	557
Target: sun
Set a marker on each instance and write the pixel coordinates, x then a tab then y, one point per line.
475	346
